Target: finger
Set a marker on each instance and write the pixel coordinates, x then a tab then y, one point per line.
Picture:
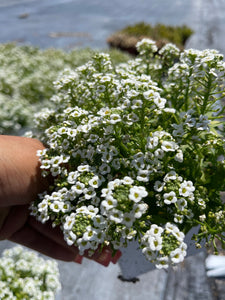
55	234
46	229
33	239
16	218
103	257
107	250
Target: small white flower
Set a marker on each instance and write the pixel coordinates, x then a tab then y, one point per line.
109	203
162	263
143	175
89	193
152	142
95	182
78	187
127	180
160	102
107	157
93	138
155	230
170	197
150	94
176	256
72	177
158	186
92	210
159	153
189	214
181	203
116	163
72	132
136	104
116	215
43	206
132	118
57	160
178	234
202	217
66	207
104	169
114	118
155	242
90	234
41	152
55	171
201	203
139	209
99	221
83	245
137	193
83	168
179	156
149	254
172	175
186	188
45	164
70	237
169	110
168	146
178	218
56	206
128	219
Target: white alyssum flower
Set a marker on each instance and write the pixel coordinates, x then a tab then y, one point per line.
137	193
170	197
30	276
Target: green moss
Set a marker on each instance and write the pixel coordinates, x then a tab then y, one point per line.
174	34
127	38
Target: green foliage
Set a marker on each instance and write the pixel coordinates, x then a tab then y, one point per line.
174	34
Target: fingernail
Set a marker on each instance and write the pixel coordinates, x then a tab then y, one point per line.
104	259
78	259
116	257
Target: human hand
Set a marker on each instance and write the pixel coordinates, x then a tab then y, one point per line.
20	182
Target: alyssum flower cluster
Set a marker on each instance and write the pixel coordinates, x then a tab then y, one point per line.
25	275
26	80
136	152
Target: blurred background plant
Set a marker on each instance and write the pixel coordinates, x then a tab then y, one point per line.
27	74
127	38
25	275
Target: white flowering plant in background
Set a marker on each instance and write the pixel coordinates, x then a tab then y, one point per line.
136	152
26	80
25	275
